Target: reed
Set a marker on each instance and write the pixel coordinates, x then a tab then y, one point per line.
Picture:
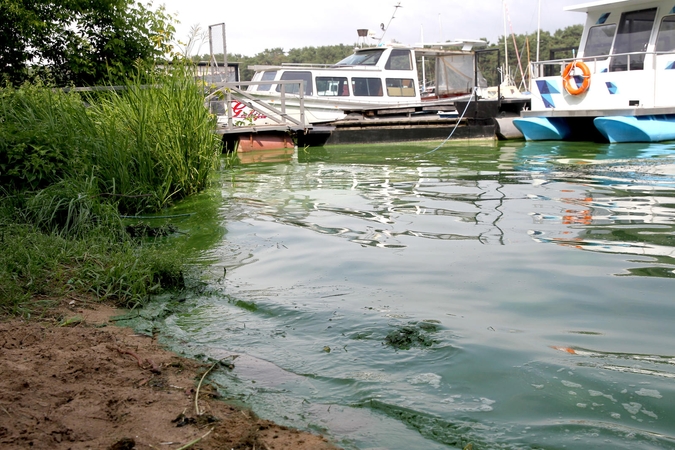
69	165
146	146
37	269
159	141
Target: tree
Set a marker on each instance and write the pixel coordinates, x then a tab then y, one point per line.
567	38
80	42
328	54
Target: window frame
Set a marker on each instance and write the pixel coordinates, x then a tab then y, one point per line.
670	18
370	83
591	34
395	85
265	77
342	83
396	56
304	75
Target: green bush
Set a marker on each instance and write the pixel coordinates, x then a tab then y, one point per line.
41	137
145	146
37	268
70	165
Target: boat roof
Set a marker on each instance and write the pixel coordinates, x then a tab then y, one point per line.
436	49
603	4
466	44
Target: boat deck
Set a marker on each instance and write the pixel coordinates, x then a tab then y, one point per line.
432	121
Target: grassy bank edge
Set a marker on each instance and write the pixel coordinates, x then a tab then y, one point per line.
72	166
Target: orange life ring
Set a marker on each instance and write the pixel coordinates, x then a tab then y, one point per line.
568	74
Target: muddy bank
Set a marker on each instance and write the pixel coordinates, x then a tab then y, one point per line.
89	384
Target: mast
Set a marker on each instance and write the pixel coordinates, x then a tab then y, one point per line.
506	76
538	28
384	29
424	77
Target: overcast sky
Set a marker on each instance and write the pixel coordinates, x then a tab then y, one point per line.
255	25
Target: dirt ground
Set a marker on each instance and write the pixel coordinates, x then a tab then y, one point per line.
93	385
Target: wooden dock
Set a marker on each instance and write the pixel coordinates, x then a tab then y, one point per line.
456	120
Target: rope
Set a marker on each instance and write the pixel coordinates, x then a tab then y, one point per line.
473	93
157	217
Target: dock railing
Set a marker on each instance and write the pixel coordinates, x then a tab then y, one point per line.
220	102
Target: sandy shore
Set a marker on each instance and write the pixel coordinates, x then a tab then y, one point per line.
91	384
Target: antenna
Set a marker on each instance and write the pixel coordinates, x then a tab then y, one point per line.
384	29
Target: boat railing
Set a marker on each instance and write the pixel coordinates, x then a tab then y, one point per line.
308	65
287	66
596	64
220	100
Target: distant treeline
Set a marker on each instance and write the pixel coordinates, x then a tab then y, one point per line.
561	44
526	45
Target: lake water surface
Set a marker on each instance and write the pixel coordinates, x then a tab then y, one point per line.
536	282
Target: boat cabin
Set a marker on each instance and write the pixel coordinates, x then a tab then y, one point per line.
622	74
373	77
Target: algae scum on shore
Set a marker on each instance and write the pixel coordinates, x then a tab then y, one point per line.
453	277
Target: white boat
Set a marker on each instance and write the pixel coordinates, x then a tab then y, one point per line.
385	76
619	87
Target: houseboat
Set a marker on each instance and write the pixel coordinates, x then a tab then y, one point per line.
618	87
387	76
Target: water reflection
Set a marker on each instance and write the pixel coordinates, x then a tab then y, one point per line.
398	198
605	198
621	199
336	247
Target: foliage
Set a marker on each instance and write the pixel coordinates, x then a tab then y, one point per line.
69	168
41	138
158	142
141	148
36	267
328	54
80	42
550	46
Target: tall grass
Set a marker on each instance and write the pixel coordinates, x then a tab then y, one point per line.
159	141
42	138
37	269
146	146
71	165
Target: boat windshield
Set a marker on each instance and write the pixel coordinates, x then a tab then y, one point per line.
666	39
599	41
363	58
631	41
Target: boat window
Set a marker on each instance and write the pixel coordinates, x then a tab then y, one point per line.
635	29
599	41
399	60
400	87
367	87
297	75
455	74
332	86
267	76
363	58
666	40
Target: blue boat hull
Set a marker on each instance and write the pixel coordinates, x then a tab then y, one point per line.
618	129
543	128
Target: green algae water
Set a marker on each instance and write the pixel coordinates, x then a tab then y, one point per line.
504	295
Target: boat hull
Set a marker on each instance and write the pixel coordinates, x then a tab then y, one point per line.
618	129
618	86
542	128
